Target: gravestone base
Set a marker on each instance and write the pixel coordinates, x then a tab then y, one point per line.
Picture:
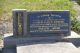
9	40
9	50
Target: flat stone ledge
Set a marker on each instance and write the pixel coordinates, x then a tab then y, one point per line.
60	47
73	35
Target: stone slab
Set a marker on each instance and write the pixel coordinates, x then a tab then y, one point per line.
60	47
73	35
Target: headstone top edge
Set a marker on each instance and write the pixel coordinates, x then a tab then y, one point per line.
51	10
37	10
18	9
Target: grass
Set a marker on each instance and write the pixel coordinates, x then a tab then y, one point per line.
30	5
37	5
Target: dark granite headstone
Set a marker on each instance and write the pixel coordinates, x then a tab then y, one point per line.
41	23
39	27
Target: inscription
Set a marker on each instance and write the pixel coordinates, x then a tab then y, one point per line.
48	22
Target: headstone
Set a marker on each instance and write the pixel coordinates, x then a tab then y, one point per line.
41	23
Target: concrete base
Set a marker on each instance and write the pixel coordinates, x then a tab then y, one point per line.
60	47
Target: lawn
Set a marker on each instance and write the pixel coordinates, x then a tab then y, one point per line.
30	5
8	5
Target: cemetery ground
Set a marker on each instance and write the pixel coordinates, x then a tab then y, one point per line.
75	38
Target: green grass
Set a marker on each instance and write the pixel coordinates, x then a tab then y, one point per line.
1	7
30	5
38	5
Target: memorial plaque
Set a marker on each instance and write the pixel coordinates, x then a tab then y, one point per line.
48	22
41	23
